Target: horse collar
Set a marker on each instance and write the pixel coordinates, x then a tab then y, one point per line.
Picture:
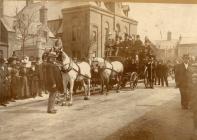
69	67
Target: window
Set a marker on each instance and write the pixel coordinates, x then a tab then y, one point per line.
76	33
126	30
45	35
94	36
106	28
76	24
1	53
117	29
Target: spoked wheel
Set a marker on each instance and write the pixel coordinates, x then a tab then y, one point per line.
123	84
133	80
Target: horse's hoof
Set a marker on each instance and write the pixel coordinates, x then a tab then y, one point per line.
86	98
70	104
67	98
64	104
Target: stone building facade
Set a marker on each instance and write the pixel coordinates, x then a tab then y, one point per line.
187	45
7	36
85	27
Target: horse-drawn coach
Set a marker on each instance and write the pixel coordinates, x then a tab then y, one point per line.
138	64
130	64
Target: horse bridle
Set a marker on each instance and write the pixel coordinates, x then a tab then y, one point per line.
69	67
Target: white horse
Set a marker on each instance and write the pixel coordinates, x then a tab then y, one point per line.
72	72
108	72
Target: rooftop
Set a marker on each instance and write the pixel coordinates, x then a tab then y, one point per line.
188	40
166	44
8	22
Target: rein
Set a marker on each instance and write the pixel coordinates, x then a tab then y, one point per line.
71	68
110	68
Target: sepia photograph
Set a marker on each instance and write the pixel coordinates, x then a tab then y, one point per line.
98	70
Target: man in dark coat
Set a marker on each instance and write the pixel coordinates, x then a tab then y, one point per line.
159	72
175	71
151	71
138	43
53	81
39	76
184	80
3	83
194	100
164	74
15	84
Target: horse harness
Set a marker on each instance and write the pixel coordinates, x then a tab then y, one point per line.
112	69
71	68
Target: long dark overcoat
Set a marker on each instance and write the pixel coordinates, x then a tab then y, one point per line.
184	76
53	77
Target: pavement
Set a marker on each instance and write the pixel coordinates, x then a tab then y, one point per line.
99	118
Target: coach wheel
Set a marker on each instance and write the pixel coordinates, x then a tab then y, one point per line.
133	81
123	83
131	84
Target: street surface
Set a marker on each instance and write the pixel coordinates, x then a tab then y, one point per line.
101	117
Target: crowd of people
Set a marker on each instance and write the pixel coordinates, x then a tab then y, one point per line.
20	78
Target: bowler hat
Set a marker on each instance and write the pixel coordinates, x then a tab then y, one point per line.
186	56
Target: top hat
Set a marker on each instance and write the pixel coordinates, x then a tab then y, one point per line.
52	55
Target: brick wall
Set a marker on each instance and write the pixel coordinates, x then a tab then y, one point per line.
91	21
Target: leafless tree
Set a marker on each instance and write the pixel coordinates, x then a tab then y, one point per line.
22	26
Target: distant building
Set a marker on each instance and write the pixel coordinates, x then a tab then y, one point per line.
167	48
7	36
187	45
85	26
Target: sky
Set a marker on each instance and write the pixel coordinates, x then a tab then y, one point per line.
180	19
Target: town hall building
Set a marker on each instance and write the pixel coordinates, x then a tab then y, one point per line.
85	26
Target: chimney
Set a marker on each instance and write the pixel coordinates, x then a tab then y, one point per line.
1	8
180	38
169	36
29	2
43	15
